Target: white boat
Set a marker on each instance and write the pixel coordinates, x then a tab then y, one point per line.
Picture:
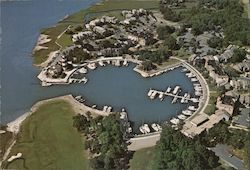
150	92
109	109
195	100
154	126
129	130
117	63
141	128
194	79
182	117
175	121
101	63
159	127
125	63
91	66
168	89
153	95
183	100
83	70
105	108
192	108
176	89
146	128
161	96
184	70
198	93
123	115
187	112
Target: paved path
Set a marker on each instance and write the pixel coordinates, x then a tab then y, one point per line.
143	142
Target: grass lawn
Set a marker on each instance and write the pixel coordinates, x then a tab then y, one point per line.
111	8
48	140
65	40
183	54
169	62
5	140
142	159
210	109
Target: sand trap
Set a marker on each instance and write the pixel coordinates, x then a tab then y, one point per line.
42	39
18	155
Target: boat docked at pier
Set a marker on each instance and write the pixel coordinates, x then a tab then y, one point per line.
182	117
187	112
144	129
175	121
156	127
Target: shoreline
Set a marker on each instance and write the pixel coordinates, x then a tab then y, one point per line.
14	126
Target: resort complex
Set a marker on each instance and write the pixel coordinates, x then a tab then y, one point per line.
168	78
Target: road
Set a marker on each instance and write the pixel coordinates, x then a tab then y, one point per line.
222	151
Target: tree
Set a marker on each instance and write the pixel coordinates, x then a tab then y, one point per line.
163	31
168	13
176	151
238	56
80	122
171	42
215	42
148	65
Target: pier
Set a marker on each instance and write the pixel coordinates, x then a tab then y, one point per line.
176	96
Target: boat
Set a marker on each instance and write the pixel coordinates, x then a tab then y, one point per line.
109	109
154	127
159	127
192	108
125	63
83	70
105	108
101	63
182	117
150	92
184	70
168	89
175	121
161	96
91	66
187	112
176	89
183	100
141	128
129	130
194	79
153	95
146	128
195	100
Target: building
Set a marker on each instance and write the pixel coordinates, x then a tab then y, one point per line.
224	107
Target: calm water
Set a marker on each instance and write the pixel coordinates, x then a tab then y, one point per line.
119	87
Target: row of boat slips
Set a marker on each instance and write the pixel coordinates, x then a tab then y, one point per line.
184	99
144	129
197	86
125	121
185	114
107	109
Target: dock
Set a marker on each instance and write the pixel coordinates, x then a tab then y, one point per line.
152	94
